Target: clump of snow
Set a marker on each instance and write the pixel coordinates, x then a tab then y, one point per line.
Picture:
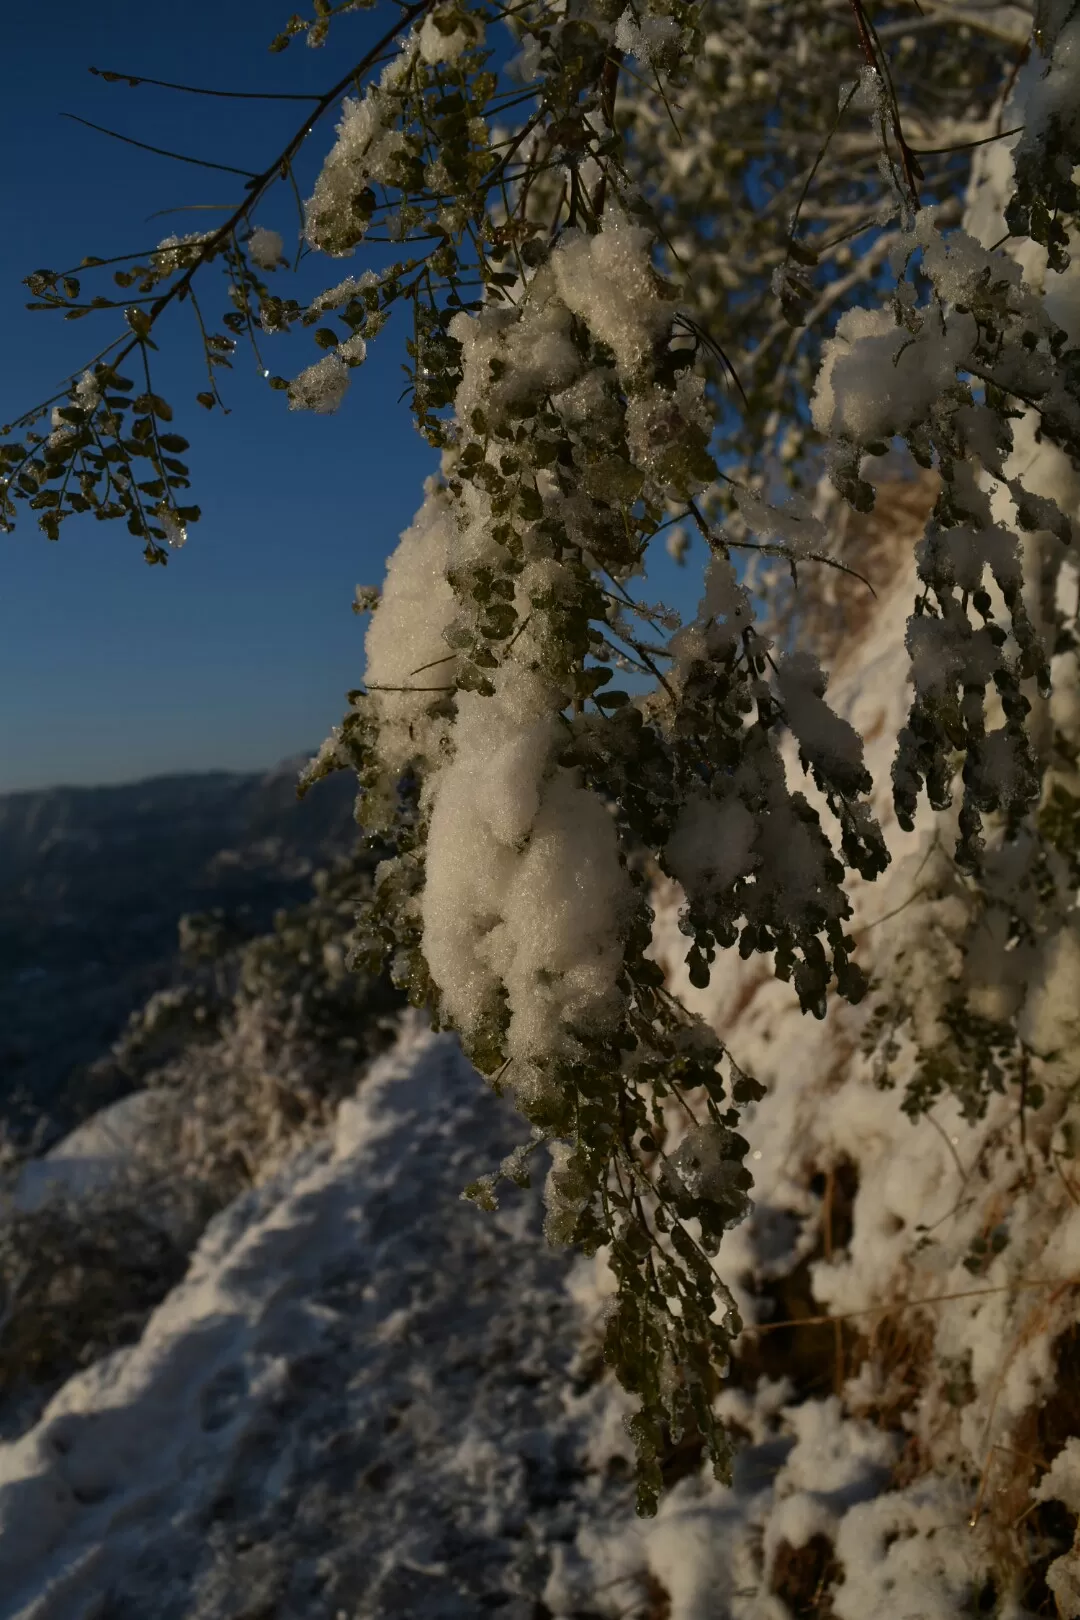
178	252
712	843
369	148
608	281
524	888
408	660
793	525
1061	1483
878	379
658	418
651	42
321	387
445	34
824	737
909	1552
266	247
95	1155
343	292
1055	101
86	395
508	357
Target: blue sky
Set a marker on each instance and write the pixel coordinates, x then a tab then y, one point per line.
241	651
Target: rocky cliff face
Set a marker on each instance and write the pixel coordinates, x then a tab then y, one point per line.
93	882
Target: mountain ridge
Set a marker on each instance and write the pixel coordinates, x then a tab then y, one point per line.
94	881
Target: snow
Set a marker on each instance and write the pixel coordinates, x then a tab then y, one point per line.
178	252
1062	1483
370	1398
321	387
608	280
266	247
650	41
825	738
1057	100
712	843
1050	1019
532	352
343	292
368	148
443	38
877	379
405	643
524	887
92	1156
354	1398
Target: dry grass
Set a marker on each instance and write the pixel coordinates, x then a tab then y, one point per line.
803	1578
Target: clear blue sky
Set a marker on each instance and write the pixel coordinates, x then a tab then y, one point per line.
241	651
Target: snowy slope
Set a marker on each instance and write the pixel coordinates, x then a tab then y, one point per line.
370	1400
351	1405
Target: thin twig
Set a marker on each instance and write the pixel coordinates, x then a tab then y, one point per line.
262	182
965	146
908	1304
133	79
771	550
161	151
420	668
963	1174
373	688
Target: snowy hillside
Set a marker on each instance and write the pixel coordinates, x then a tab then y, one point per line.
352	1403
369	1400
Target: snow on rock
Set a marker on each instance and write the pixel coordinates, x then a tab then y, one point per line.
93	1155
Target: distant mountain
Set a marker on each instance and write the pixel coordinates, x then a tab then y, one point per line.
93	882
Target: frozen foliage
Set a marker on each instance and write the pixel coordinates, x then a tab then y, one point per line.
651	40
368	1396
178	252
954	1420
526	792
489	750
526	802
368	149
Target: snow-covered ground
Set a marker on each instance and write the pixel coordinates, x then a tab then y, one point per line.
352	1405
368	1399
